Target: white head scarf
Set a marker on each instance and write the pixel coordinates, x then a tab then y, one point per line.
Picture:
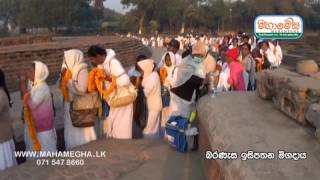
110	54
173	61
41	72
162	63
116	69
74	61
147	66
40	91
184	72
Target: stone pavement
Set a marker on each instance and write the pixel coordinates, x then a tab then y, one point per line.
125	160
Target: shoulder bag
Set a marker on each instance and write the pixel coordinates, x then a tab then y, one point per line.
84	109
121	96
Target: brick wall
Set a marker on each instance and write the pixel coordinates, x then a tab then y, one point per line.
9	41
15	58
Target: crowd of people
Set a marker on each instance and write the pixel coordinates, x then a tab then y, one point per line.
246	50
142	99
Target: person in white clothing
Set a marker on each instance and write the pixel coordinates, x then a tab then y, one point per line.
166	77
174	47
78	84
119	121
270	60
253	42
277	51
7	148
152	90
153	41
39	102
249	65
234	43
223	84
187	79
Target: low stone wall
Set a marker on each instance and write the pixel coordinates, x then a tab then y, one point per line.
15	58
20	40
239	122
211	168
292	93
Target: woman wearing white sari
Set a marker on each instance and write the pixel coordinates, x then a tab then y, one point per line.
78	84
168	63
39	103
7	148
152	90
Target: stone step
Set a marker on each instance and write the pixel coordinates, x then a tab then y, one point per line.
125	160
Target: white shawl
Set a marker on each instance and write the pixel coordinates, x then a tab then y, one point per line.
40	90
183	72
74	61
147	66
112	66
151	85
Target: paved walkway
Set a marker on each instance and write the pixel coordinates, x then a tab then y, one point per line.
125	160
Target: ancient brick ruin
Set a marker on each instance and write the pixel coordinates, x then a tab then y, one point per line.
16	54
297	94
10	41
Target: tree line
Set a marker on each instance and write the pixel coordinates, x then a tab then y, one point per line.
149	16
51	14
191	15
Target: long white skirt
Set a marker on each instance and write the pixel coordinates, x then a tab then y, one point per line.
180	107
48	140
7	158
164	119
74	136
152	129
119	122
164	116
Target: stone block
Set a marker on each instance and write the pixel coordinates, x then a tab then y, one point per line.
316	75
269	83
307	67
313	115
292	93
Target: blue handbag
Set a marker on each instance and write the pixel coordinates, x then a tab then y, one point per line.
165	96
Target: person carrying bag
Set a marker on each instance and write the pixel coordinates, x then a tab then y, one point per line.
80	107
113	84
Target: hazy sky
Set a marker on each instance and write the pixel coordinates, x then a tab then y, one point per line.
116	5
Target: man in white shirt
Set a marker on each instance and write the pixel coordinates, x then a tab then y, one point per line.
120	119
277	51
174	47
268	54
